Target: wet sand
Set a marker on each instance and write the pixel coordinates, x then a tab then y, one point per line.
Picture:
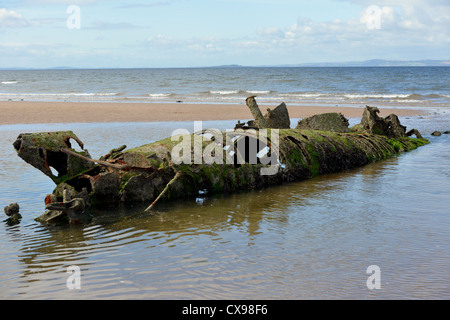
26	112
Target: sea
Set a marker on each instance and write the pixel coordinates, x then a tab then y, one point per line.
404	86
377	232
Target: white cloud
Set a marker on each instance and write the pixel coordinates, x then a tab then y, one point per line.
270	32
147	5
202	44
416	13
68	2
406	32
162	40
97	24
12	19
403	23
409	29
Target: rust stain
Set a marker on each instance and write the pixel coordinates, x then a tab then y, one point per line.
48	199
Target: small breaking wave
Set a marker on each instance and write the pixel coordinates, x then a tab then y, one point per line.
159	95
376	96
58	96
224	92
10	82
239	92
303	95
393	97
71	94
258	91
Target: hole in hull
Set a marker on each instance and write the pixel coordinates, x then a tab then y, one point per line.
58	161
54	171
81	183
76	146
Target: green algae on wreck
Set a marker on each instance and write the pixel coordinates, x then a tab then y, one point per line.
154	171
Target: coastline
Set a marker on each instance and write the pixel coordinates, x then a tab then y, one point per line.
30	112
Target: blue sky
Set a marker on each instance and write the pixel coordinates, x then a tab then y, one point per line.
192	33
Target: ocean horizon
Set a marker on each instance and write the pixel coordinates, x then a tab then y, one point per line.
385	86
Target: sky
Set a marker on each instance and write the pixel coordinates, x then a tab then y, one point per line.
195	33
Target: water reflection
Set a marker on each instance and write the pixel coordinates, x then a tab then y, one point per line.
192	239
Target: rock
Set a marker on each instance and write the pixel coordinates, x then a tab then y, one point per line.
446	132
436	133
326	121
12	209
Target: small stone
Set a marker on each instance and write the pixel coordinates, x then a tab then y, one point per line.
436	133
12	209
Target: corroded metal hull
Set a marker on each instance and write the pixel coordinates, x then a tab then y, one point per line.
181	166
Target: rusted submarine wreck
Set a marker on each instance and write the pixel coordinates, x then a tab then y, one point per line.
256	154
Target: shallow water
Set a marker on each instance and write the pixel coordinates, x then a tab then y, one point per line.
305	240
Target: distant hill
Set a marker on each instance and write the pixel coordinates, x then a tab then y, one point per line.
54	68
366	63
376	63
227	66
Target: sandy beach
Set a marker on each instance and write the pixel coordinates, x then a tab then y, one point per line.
18	112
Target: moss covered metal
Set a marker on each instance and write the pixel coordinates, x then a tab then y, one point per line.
141	174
